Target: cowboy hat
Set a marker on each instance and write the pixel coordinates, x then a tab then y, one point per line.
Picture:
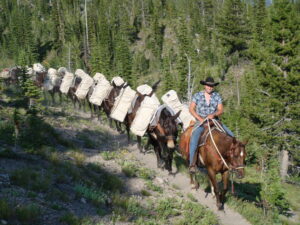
209	82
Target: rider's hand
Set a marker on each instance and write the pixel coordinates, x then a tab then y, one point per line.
211	116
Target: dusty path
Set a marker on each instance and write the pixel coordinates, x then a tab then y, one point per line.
180	180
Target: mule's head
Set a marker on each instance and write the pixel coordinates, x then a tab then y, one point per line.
237	155
169	125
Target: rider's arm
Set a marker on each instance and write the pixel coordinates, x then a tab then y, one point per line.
193	112
219	112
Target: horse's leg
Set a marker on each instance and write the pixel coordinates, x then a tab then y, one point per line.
53	97
225	179
213	181
60	97
139	141
160	162
91	108
169	160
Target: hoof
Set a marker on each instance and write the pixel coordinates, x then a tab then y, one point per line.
220	206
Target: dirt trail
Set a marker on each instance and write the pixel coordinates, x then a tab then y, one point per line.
226	217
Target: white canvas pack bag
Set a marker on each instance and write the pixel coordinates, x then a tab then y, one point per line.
171	99
51	79
101	92
84	85
67	82
122	104
143	116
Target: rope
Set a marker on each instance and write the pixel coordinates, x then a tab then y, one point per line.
213	141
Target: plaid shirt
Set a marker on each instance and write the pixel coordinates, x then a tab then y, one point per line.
202	108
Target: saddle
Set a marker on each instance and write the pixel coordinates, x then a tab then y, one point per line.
185	139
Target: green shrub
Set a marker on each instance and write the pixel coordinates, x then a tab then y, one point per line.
195	214
28	214
167	208
31	179
70	219
153	187
96	196
5	210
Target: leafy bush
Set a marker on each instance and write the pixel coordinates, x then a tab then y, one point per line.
273	194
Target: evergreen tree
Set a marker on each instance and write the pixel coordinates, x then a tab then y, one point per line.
232	26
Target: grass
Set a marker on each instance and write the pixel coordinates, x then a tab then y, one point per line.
168	208
5	210
153	187
96	196
131	169
70	219
31	179
109	155
127	209
194	213
28	214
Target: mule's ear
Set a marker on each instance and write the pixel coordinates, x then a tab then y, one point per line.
234	141
155	85
176	115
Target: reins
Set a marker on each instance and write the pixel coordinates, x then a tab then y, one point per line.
213	141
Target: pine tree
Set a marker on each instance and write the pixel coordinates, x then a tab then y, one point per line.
232	26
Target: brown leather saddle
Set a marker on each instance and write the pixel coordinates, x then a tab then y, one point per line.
185	138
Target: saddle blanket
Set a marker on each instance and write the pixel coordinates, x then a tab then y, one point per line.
156	115
122	104
171	99
143	116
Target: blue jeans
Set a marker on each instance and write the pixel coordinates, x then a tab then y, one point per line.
195	139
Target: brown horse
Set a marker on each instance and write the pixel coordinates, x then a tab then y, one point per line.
163	137
130	116
221	153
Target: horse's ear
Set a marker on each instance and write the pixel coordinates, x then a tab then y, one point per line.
176	115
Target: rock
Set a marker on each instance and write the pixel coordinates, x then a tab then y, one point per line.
159	180
83	200
4	179
3	222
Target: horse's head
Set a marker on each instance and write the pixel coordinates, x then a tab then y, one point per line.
237	155
116	90
40	78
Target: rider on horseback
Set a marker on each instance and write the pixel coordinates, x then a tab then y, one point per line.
205	104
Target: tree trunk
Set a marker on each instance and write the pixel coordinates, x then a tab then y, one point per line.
284	163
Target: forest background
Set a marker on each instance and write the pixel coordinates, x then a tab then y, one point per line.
251	47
